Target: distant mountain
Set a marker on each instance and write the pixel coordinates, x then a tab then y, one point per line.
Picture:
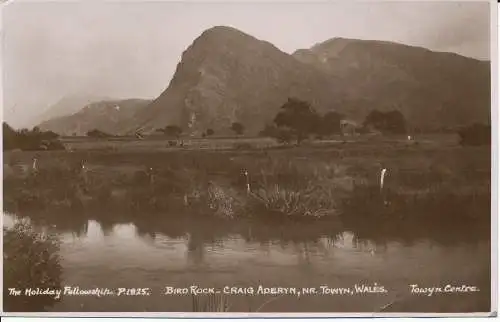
67	105
228	76
431	89
108	116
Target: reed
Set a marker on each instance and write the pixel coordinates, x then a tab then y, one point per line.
210	303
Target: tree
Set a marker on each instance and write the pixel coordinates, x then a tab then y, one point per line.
172	131
10	139
375	119
25	139
210	132
475	135
298	117
49	135
283	135
238	128
329	124
396	123
392	122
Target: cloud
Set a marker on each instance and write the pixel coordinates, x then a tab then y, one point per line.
463	25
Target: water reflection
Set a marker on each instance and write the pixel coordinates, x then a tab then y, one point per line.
182	252
195	249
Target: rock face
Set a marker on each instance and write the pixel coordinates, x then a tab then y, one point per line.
112	117
228	76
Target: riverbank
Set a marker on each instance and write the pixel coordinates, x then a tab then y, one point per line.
430	188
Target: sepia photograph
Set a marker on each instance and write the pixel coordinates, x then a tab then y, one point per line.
323	158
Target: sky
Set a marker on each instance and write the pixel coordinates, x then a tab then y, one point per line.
130	49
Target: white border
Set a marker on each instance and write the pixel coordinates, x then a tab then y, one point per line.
240	315
494	58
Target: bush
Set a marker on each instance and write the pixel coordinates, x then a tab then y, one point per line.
392	122
476	134
238	128
288	190
279	202
243	146
98	134
33	140
30	260
268	131
171	131
283	136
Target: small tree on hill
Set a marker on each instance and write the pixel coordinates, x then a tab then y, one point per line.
298	117
210	132
238	128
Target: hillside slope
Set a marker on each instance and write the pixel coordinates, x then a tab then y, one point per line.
67	105
109	116
431	89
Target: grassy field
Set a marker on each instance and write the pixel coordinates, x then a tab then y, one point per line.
433	185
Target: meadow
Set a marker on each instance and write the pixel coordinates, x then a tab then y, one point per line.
433	185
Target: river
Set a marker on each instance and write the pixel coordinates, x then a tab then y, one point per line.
124	256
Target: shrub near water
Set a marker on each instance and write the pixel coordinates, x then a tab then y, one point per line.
298	190
30	260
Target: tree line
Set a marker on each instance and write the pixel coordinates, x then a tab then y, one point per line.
26	139
298	120
175	131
